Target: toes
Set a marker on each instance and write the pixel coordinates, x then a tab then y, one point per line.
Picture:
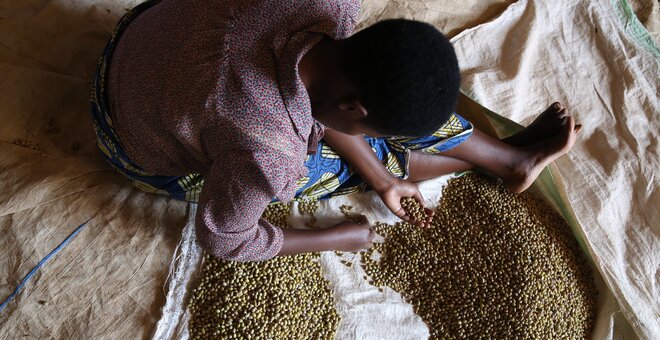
567	125
570	124
555	106
558	114
562	114
573	128
566	136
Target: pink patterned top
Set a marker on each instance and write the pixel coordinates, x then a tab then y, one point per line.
212	87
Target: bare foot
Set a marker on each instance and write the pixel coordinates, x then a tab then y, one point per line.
535	157
545	126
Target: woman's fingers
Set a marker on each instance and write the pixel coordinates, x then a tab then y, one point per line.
418	196
399	212
429	213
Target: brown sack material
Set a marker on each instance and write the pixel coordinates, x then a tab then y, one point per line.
108	281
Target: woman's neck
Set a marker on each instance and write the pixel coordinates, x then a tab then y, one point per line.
319	60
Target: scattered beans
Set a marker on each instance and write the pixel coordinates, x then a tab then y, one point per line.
348	212
309	207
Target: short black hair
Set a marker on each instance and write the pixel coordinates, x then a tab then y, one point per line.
407	76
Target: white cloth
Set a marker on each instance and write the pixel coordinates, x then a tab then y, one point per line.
593	58
185	262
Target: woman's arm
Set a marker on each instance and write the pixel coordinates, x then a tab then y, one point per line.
345	236
361	157
229	225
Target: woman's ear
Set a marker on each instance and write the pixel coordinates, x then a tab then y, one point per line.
353	108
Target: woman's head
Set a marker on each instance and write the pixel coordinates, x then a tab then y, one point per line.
397	77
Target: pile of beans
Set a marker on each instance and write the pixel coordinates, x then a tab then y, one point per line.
283	298
493	265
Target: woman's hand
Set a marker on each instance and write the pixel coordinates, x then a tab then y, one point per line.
359	155
396	189
351	236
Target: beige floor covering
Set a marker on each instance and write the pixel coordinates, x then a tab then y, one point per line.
595	58
108	282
